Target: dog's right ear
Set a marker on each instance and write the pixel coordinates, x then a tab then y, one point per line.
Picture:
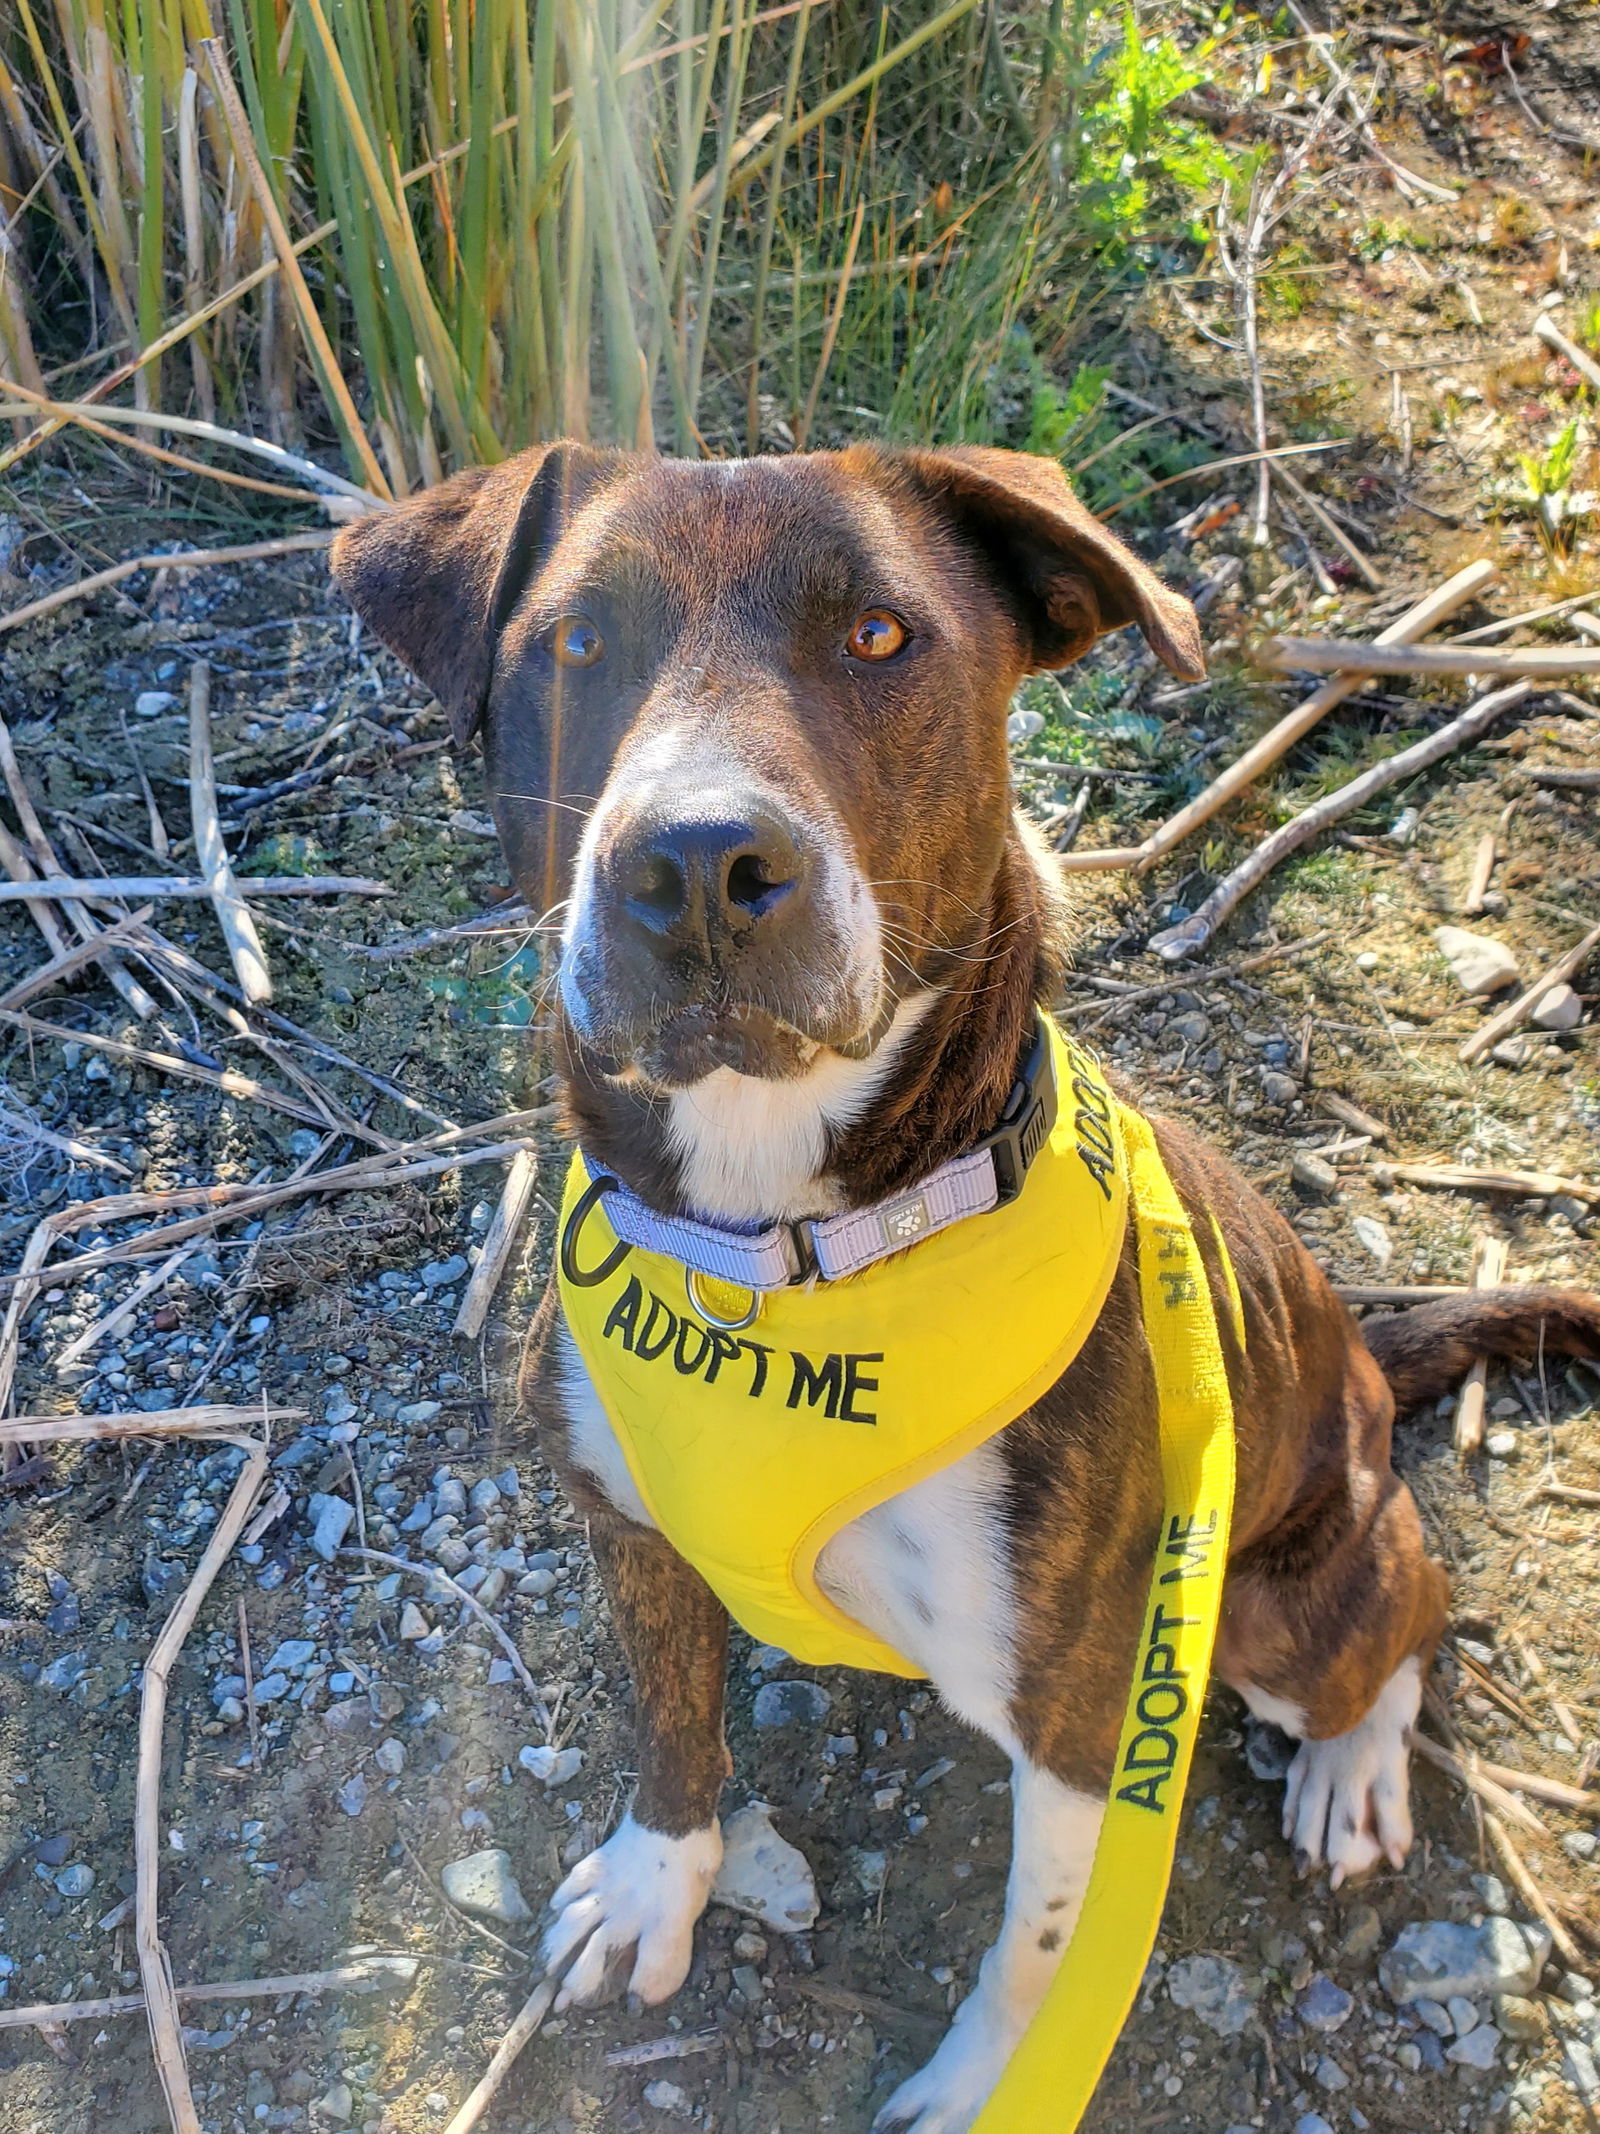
439	575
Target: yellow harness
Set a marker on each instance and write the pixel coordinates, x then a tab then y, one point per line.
752	1448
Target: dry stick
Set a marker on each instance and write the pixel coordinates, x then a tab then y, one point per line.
498	1243
146	1286
1414	623
217	1419
1351	1115
1459	1178
1515	622
1566	781
1564	1715
183	559
166	2035
357	1977
1396	1293
225	1079
1362	564
24	887
1193	933
529	2019
79	1151
1563	1494
1468	1773
1556	1791
1482	869
430	1574
310	318
1545	329
1333	655
187	885
1488	1271
249	958
1262	956
47	976
1513	1017
44	854
1530	1892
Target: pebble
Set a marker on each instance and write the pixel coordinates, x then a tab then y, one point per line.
1312	2123
1480	2048
538	1583
1375	1236
291	1655
1435	1958
1363	1933
1435	2015
790	1704
1194	1029
1324	2006
1463	2014
1501	1444
337	1406
413	1623
353	1795
554	1767
74	1881
439	1274
1278	1088
483	1883
1518	2017
1560	1009
1479	963
484	1496
390	1757
334	1517
151	703
763	1875
419	1411
1582	1844
336	2102
662	2096
1268	1750
1315	1173
1022	726
1214	1990
64	1672
1329	2075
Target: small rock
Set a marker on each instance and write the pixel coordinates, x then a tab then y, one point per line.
291	1654
538	1584
871	1869
1463	2013
334	1517
1436	2016
1403	830
1268	1750
1501	1444
1496	1897
1518	2018
1368	960
790	1704
554	1767
1511	1052
152	703
1329	2075
1560	1009
74	1881
1312	2123
1315	1173
1480	2048
449	1494
418	1411
1582	1844
1362	1934
662	2096
336	2103
484	1496
1435	1958
65	1672
1194	1029
353	1795
484	1884
749	1947
390	1757
763	1875
1324	2006
439	1274
1023	726
1278	1088
1375	1236
1214	1990
1478	962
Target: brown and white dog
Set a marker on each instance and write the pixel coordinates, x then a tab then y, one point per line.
747	720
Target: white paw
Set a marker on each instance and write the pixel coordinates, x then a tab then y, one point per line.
1348	1800
626	1914
946	2096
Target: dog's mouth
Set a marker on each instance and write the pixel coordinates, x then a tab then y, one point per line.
685	1047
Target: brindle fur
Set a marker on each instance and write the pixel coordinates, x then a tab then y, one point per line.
1330	1586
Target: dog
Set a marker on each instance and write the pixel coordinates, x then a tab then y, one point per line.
743	724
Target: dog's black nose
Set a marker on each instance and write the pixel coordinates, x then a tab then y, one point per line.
686	884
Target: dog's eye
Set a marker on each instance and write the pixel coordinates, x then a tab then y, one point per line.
877	635
575	642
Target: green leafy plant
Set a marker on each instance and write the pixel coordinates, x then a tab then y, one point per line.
1549	487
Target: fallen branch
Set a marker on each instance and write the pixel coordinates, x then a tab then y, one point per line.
1281	953
1565	781
1333	655
1414	623
530	2019
161	2001
245	951
1511	1018
1193	933
1360	563
1578	1799
364	1976
498	1244
1515	622
1351	1115
1545	329
1562	1493
1459	1178
1489	1262
183	559
58	890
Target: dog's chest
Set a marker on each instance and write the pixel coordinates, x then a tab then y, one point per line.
928	1571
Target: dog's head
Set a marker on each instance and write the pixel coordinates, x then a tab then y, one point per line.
748	716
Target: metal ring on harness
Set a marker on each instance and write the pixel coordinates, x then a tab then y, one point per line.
691	1275
583	1207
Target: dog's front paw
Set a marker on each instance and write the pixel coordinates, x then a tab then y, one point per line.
946	2096
625	1915
1347	1800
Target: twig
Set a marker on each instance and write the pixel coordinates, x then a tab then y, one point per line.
1482	869
529	2019
1565	781
498	1244
67	965
186	885
96	1332
1462	1178
249	1673
1351	1115
1565	1717
359	1977
1280	953
1545	329
1361	564
1218	466
1530	1892
1511	1018
1489	1262
1402	1293
1193	933
1334	655
1406	181
682	2045
161	2001
1469	1773
181	560
79	1151
1416	622
430	1574
1554	1790
1562	1493
1516	622
209	1419
248	957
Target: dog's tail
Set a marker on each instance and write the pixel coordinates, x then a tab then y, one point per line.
1428	1350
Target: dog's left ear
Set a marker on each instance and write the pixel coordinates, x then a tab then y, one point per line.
1071	579
439	576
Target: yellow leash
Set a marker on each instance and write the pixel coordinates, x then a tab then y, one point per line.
1054	2071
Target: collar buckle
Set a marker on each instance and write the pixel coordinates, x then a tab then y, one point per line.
1028	1119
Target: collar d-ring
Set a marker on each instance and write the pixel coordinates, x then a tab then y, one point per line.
588	1200
692	1275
